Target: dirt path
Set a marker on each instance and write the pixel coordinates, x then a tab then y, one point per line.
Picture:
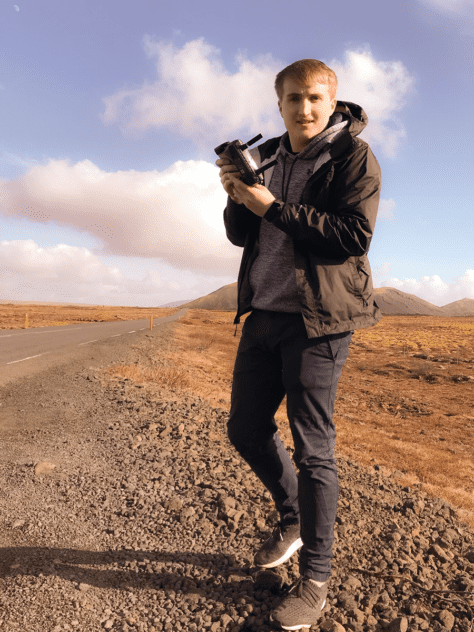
123	507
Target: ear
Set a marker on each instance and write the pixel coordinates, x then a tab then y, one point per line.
333	105
279	107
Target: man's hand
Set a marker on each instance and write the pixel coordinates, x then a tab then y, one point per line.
226	169
256	198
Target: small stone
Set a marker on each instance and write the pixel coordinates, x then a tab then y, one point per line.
83	587
261	524
225	619
357	615
351	583
329	625
108	624
175	504
45	468
441	554
347	600
400	624
17	524
446	618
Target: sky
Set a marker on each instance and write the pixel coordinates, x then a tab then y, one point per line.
110	110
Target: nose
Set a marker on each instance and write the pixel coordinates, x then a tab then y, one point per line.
305	107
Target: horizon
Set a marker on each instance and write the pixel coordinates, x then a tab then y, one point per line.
108	188
180	302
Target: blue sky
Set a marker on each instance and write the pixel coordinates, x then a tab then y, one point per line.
110	112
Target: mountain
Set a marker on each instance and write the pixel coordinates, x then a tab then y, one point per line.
390	301
174	304
464	307
224	299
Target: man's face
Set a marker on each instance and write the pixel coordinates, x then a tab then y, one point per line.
306	109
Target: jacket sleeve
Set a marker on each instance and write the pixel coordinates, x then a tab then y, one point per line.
343	223
238	221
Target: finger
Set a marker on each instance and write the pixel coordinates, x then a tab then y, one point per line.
220	162
229	188
229	169
237	182
230	175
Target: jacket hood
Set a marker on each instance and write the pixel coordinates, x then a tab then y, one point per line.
345	111
358	119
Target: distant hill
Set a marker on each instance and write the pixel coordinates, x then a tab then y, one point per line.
464	307
174	304
224	299
390	301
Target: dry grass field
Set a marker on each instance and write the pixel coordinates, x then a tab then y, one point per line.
13	315
405	400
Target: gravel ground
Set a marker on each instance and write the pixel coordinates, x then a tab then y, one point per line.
123	507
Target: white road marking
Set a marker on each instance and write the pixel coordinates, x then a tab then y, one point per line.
86	343
115	335
61	329
23	359
28	333
132	332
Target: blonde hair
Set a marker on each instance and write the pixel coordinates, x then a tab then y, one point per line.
304	70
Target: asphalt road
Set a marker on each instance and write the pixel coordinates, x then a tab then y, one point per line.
24	351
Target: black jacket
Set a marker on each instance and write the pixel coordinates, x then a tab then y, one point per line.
331	227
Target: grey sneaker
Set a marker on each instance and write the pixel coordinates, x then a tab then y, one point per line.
279	547
301	608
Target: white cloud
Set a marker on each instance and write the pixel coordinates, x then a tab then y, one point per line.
387	209
174	215
435	290
452	7
381	88
64	273
57	273
196	96
447	14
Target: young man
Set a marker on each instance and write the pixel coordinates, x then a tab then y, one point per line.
306	280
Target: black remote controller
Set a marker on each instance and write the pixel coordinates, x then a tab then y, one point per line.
236	152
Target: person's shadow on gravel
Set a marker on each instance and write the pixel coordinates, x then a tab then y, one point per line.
187	572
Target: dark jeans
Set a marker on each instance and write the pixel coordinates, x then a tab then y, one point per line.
276	358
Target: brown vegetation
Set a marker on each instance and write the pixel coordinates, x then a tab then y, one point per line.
404	401
13	315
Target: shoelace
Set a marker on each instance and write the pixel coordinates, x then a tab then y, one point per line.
280	530
306	592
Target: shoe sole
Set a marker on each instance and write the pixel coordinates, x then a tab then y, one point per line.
288	553
299	626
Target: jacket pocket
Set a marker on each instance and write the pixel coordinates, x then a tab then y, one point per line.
361	279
